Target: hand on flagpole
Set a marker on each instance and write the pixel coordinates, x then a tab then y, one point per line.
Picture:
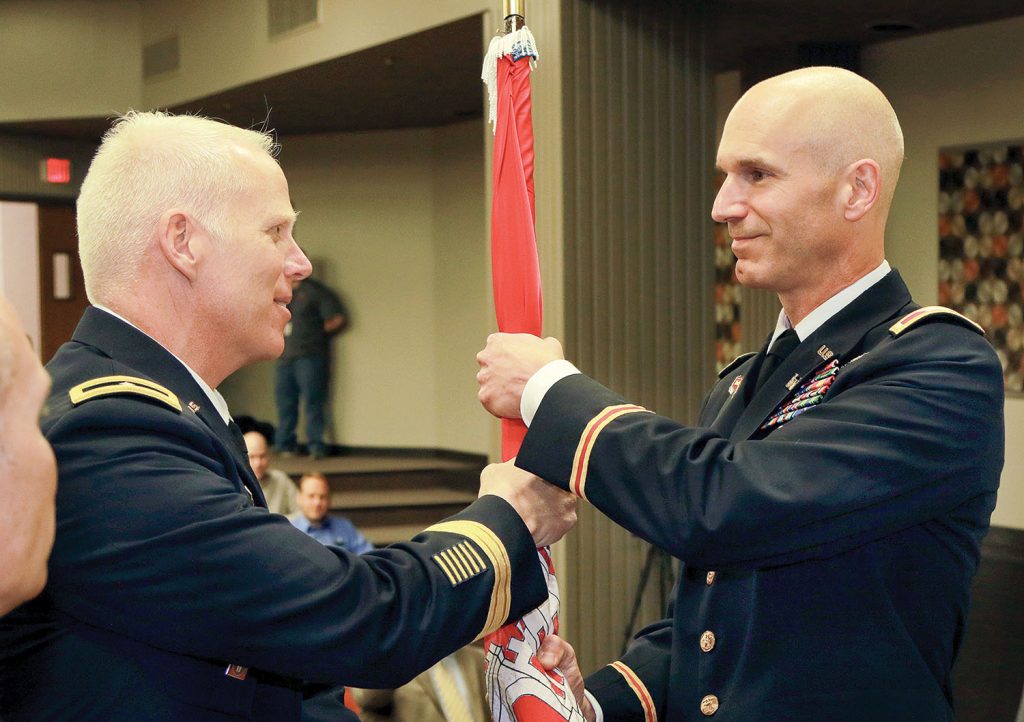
548	512
555	652
506	363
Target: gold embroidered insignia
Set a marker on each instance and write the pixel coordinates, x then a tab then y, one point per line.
117	385
460	563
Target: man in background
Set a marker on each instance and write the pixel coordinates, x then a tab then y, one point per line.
314	502
28	472
304	369
278	488
173	594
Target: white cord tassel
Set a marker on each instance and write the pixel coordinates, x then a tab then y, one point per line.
518	44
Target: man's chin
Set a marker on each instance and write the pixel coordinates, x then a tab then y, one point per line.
747	275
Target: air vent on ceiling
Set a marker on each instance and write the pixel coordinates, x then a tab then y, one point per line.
163	56
286	15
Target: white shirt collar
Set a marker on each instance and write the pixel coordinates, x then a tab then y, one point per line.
211	393
817	318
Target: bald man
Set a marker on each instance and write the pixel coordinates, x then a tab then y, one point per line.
28	472
829	503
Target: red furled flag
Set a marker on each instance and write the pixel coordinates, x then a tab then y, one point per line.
519	690
514	264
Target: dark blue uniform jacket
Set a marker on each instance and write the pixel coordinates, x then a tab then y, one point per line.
828	553
167	568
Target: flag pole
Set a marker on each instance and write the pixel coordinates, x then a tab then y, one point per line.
514	12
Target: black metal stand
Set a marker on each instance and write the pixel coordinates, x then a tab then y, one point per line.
666	578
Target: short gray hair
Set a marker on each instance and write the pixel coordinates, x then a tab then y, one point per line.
148	163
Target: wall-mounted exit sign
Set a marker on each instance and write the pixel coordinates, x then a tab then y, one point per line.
55	170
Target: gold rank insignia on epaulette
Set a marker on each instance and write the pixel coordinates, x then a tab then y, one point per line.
116	385
933	312
460	563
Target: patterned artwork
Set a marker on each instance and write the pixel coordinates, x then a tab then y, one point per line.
981	245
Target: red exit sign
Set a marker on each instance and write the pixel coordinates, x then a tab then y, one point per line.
56	170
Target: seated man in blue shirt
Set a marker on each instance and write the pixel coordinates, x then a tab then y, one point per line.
314	499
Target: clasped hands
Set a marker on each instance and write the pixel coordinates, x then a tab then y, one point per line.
506	364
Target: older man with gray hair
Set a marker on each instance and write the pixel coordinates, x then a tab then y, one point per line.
173	593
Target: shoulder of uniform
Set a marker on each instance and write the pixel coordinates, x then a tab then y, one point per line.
735	362
103	386
933	313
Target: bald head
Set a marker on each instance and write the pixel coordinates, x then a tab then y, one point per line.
835	115
811	160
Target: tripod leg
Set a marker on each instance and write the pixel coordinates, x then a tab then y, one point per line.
638	598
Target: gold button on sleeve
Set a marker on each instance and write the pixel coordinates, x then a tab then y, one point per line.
710	579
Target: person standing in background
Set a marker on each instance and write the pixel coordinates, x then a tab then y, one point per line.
304	369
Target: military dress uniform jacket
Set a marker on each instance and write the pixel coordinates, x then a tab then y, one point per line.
174	595
828	553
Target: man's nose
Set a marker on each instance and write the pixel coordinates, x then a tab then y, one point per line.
728	204
297	267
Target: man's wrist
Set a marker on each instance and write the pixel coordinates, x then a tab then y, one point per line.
539	384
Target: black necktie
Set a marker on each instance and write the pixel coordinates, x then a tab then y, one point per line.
783	346
238	438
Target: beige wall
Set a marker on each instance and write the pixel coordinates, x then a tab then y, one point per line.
68	58
225	43
951	88
395	221
82	58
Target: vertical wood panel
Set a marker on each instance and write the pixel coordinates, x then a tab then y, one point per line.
638	255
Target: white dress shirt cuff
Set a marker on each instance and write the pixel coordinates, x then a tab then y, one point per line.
538	385
597	707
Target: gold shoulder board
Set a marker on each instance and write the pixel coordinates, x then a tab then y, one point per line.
115	385
933	312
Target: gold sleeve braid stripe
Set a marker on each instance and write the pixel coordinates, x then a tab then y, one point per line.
639	689
116	385
497	555
581	461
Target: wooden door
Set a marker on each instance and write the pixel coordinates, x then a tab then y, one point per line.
61	286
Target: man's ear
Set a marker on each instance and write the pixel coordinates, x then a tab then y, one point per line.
860	189
178	243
